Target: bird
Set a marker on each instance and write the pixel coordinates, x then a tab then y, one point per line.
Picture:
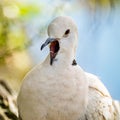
58	88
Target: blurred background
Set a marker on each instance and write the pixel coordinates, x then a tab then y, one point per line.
23	28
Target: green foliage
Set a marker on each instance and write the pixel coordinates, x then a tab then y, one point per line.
103	3
12	31
29	11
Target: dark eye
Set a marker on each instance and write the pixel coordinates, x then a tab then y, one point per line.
67	32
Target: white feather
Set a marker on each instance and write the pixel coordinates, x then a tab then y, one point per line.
62	91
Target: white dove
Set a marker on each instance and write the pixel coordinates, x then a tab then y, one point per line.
58	89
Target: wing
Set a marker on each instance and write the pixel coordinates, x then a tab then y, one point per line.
100	104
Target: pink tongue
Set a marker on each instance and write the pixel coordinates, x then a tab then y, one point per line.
52	50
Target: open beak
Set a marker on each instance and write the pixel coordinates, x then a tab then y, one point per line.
49	40
54	48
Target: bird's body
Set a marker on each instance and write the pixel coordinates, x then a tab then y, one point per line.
54	95
58	89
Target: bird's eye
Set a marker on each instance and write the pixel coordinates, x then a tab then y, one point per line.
66	32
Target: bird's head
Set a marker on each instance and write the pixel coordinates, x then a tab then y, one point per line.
63	36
